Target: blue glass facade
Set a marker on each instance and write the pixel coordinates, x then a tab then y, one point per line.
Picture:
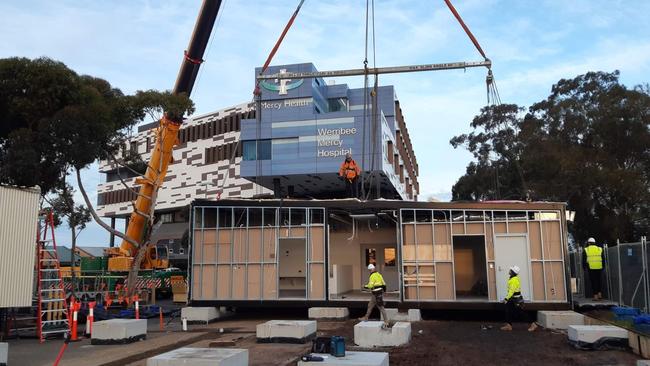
306	129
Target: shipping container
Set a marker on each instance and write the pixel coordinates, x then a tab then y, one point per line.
18	227
431	254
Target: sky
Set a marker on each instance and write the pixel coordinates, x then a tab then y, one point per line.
138	45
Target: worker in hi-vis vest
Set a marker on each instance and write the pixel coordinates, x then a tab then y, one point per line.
593	262
377	286
515	301
350	171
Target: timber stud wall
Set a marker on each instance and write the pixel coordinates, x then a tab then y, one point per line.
428	258
235	251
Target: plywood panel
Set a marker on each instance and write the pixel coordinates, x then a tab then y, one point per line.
555	284
552	243
317	244
197	255
538	281
223	253
223	282
269	245
475	228
424	234
269	287
207	283
425	252
492	282
209	236
517	227
239	282
443	252
254	245
534	240
445	281
196	283
409	234
209	253
298	232
254	285
225	236
458	229
284	232
500	228
442	235
489	242
427	293
240	241
317	281
408	252
410	293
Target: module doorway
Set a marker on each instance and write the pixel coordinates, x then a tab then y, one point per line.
355	241
292	268
470	268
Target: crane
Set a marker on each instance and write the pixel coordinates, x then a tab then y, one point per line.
121	258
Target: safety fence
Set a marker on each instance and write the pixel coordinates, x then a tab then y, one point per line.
626	278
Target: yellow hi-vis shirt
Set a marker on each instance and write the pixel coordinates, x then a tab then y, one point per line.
375	280
594	256
514	287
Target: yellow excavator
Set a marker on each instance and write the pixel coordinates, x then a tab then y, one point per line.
121	259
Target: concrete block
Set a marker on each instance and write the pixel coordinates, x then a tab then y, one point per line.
199	314
286	331
4	353
201	357
591	334
350	359
413	315
559	319
115	331
371	334
642	362
329	313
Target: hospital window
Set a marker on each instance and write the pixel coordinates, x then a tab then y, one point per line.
251	148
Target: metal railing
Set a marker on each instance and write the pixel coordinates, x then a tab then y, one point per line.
627	274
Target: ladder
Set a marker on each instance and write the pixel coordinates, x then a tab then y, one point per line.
52	316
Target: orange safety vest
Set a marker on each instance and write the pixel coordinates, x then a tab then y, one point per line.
349	170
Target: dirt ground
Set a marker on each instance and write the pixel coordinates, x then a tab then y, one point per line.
451	340
465	343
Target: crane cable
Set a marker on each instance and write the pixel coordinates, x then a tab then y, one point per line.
493	97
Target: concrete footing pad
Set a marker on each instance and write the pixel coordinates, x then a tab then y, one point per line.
286	331
413	315
201	357
200	314
4	353
643	363
350	359
559	319
329	313
597	336
118	331
371	334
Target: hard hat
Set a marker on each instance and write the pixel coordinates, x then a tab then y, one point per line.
591	240
371	267
515	269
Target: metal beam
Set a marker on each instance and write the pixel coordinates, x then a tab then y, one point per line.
377	70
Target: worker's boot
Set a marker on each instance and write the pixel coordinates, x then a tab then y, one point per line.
507	327
533	327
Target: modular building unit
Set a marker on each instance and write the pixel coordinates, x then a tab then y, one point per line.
431	254
18	227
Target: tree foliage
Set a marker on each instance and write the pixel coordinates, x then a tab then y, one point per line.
53	119
587	144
